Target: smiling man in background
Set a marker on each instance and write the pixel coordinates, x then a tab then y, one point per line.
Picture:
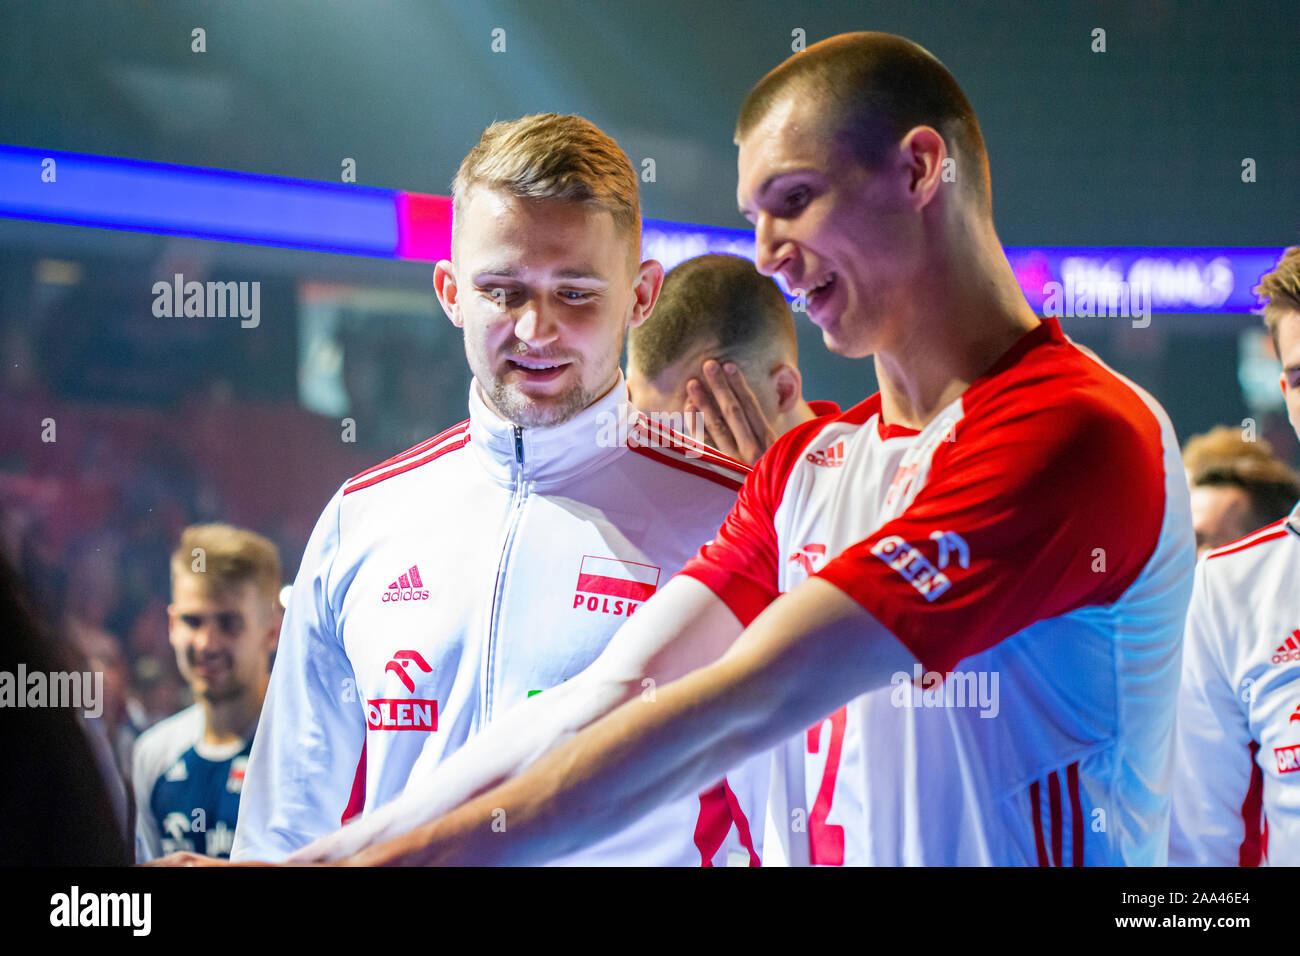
223	622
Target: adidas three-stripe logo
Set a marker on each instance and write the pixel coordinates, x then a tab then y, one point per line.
832	457
1288	650
408	587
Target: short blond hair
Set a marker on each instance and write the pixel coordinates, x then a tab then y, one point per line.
228	556
553	156
1279	291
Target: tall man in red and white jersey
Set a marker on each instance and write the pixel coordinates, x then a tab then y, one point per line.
494	561
987	591
1237	750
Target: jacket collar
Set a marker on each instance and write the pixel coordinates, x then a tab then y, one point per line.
554	455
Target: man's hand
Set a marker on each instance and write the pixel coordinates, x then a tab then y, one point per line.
733	422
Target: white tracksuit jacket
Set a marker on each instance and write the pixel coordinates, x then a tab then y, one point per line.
446	585
1236	790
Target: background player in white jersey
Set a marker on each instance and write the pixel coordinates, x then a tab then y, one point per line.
223	621
721	351
493	562
1237	756
1005	502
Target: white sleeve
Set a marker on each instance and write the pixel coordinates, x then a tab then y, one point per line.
1212	754
683	627
312	729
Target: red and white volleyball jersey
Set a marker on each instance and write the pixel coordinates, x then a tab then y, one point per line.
1032	547
452	582
1237	744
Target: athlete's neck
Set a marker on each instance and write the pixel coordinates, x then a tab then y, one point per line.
969	315
800	413
226	721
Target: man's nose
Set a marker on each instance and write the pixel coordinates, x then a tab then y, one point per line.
771	249
537	325
205	636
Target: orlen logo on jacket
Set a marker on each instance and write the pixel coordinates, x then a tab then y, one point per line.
411	713
407	587
611	586
1288	758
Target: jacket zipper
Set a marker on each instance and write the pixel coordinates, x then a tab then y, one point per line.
516	509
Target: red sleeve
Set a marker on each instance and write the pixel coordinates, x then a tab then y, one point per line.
1027	514
740	564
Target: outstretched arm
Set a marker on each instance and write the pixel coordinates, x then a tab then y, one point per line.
679	629
811	651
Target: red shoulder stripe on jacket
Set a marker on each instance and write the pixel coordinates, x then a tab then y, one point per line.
658	436
414	450
458	442
1266	533
682	464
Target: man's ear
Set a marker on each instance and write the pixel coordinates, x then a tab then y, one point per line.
444	283
923	151
789	387
645	293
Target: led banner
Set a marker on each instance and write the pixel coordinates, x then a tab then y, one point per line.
1092	281
111	193
86	190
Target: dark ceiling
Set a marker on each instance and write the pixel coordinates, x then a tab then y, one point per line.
1142	144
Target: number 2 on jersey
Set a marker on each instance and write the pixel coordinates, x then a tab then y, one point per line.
826	840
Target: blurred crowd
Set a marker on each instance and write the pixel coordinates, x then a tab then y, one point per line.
93	499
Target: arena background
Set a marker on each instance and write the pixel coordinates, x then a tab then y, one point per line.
165	421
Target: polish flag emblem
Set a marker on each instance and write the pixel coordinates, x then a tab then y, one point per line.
617	579
235	779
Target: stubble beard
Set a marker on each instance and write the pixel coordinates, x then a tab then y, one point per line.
514	406
519	409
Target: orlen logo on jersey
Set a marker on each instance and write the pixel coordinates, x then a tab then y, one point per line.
1288	650
810	557
611	586
407	587
916	568
410	714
